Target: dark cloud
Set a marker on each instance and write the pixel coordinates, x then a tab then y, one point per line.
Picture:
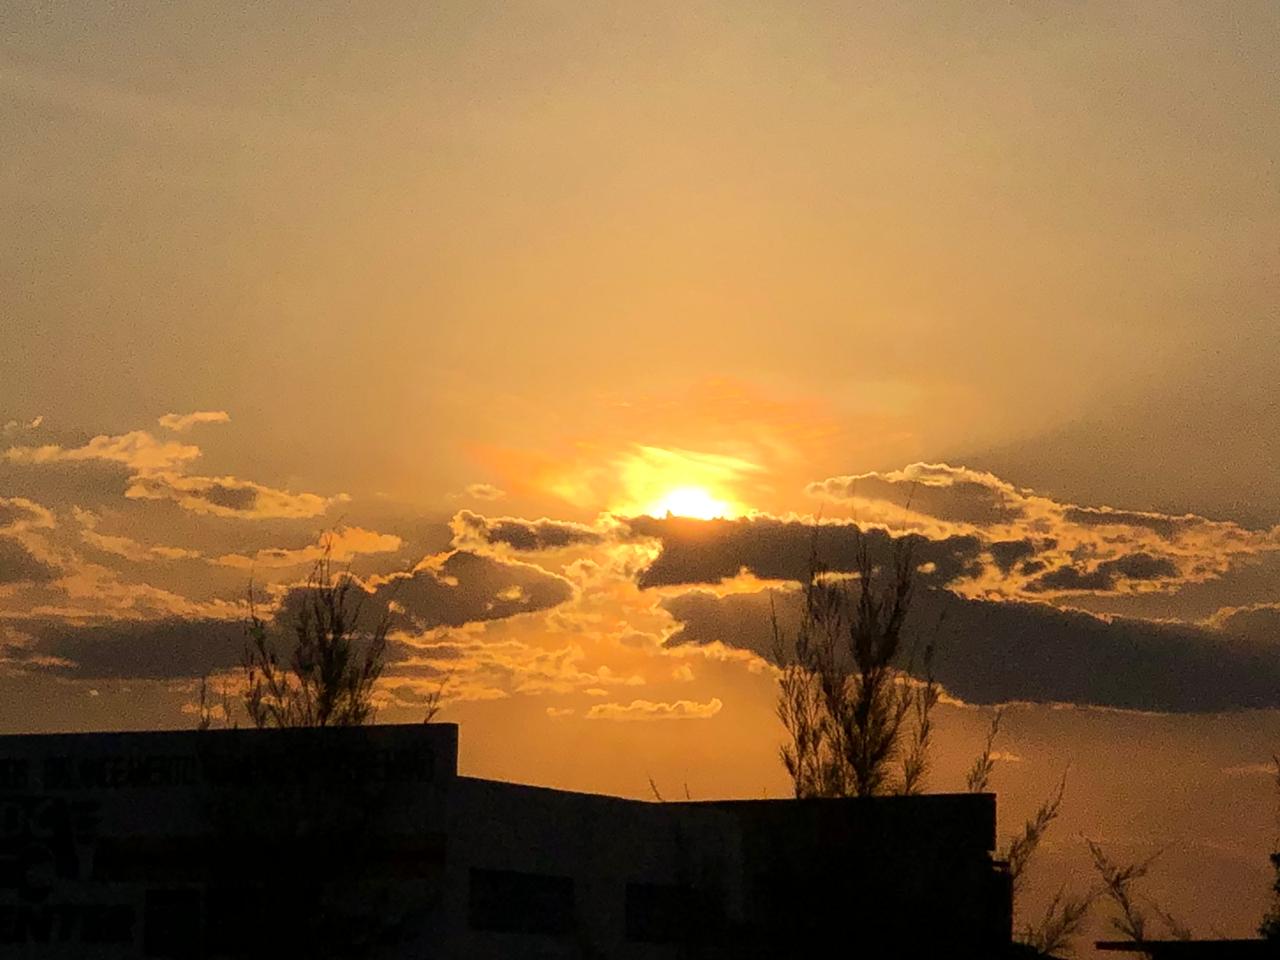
1258	624
709	551
1159	524
87	483
528	535
167	649
1007	553
240	499
1134	568
469	588
951	494
460	588
20	565
15	511
994	652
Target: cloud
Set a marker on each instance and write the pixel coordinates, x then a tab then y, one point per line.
18	514
711	551
1043	547
19	565
954	494
342	546
462	587
126	547
1129	572
151	633
1008	553
483	491
182	422
648	710
472	530
997	651
1267	770
14	427
91	591
1167	527
1004	756
138	450
476	666
157	471
230	497
166	649
451	590
1257	624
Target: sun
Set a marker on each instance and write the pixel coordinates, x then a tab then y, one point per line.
694	502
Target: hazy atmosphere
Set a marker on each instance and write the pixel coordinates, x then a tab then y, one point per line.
575	329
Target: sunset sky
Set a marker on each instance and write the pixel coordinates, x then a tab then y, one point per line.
483	290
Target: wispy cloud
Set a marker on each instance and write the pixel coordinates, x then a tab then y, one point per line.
126	547
230	496
342	546
648	710
137	450
182	422
483	491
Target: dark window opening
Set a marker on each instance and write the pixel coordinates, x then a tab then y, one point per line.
508	901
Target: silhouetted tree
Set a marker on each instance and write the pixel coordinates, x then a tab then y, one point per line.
328	678
979	777
858	725
207	712
1270	928
1118	881
1064	917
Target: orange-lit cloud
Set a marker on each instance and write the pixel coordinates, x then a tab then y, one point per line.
648	710
1042	547
139	451
229	496
182	422
126	547
483	491
341	546
18	514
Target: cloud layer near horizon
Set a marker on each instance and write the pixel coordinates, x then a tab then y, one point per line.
87	592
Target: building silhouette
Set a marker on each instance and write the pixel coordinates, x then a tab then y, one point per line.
365	842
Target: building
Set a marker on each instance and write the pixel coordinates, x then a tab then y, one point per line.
366	842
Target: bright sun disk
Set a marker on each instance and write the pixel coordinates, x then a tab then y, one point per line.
695	502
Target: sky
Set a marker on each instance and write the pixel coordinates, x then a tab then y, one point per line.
481	291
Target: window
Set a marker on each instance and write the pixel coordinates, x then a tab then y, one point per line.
507	901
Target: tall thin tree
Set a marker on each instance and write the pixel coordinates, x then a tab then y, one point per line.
328	677
851	712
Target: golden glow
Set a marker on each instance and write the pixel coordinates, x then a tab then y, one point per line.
658	481
695	502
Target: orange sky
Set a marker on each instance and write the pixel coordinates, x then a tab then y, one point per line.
470	287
